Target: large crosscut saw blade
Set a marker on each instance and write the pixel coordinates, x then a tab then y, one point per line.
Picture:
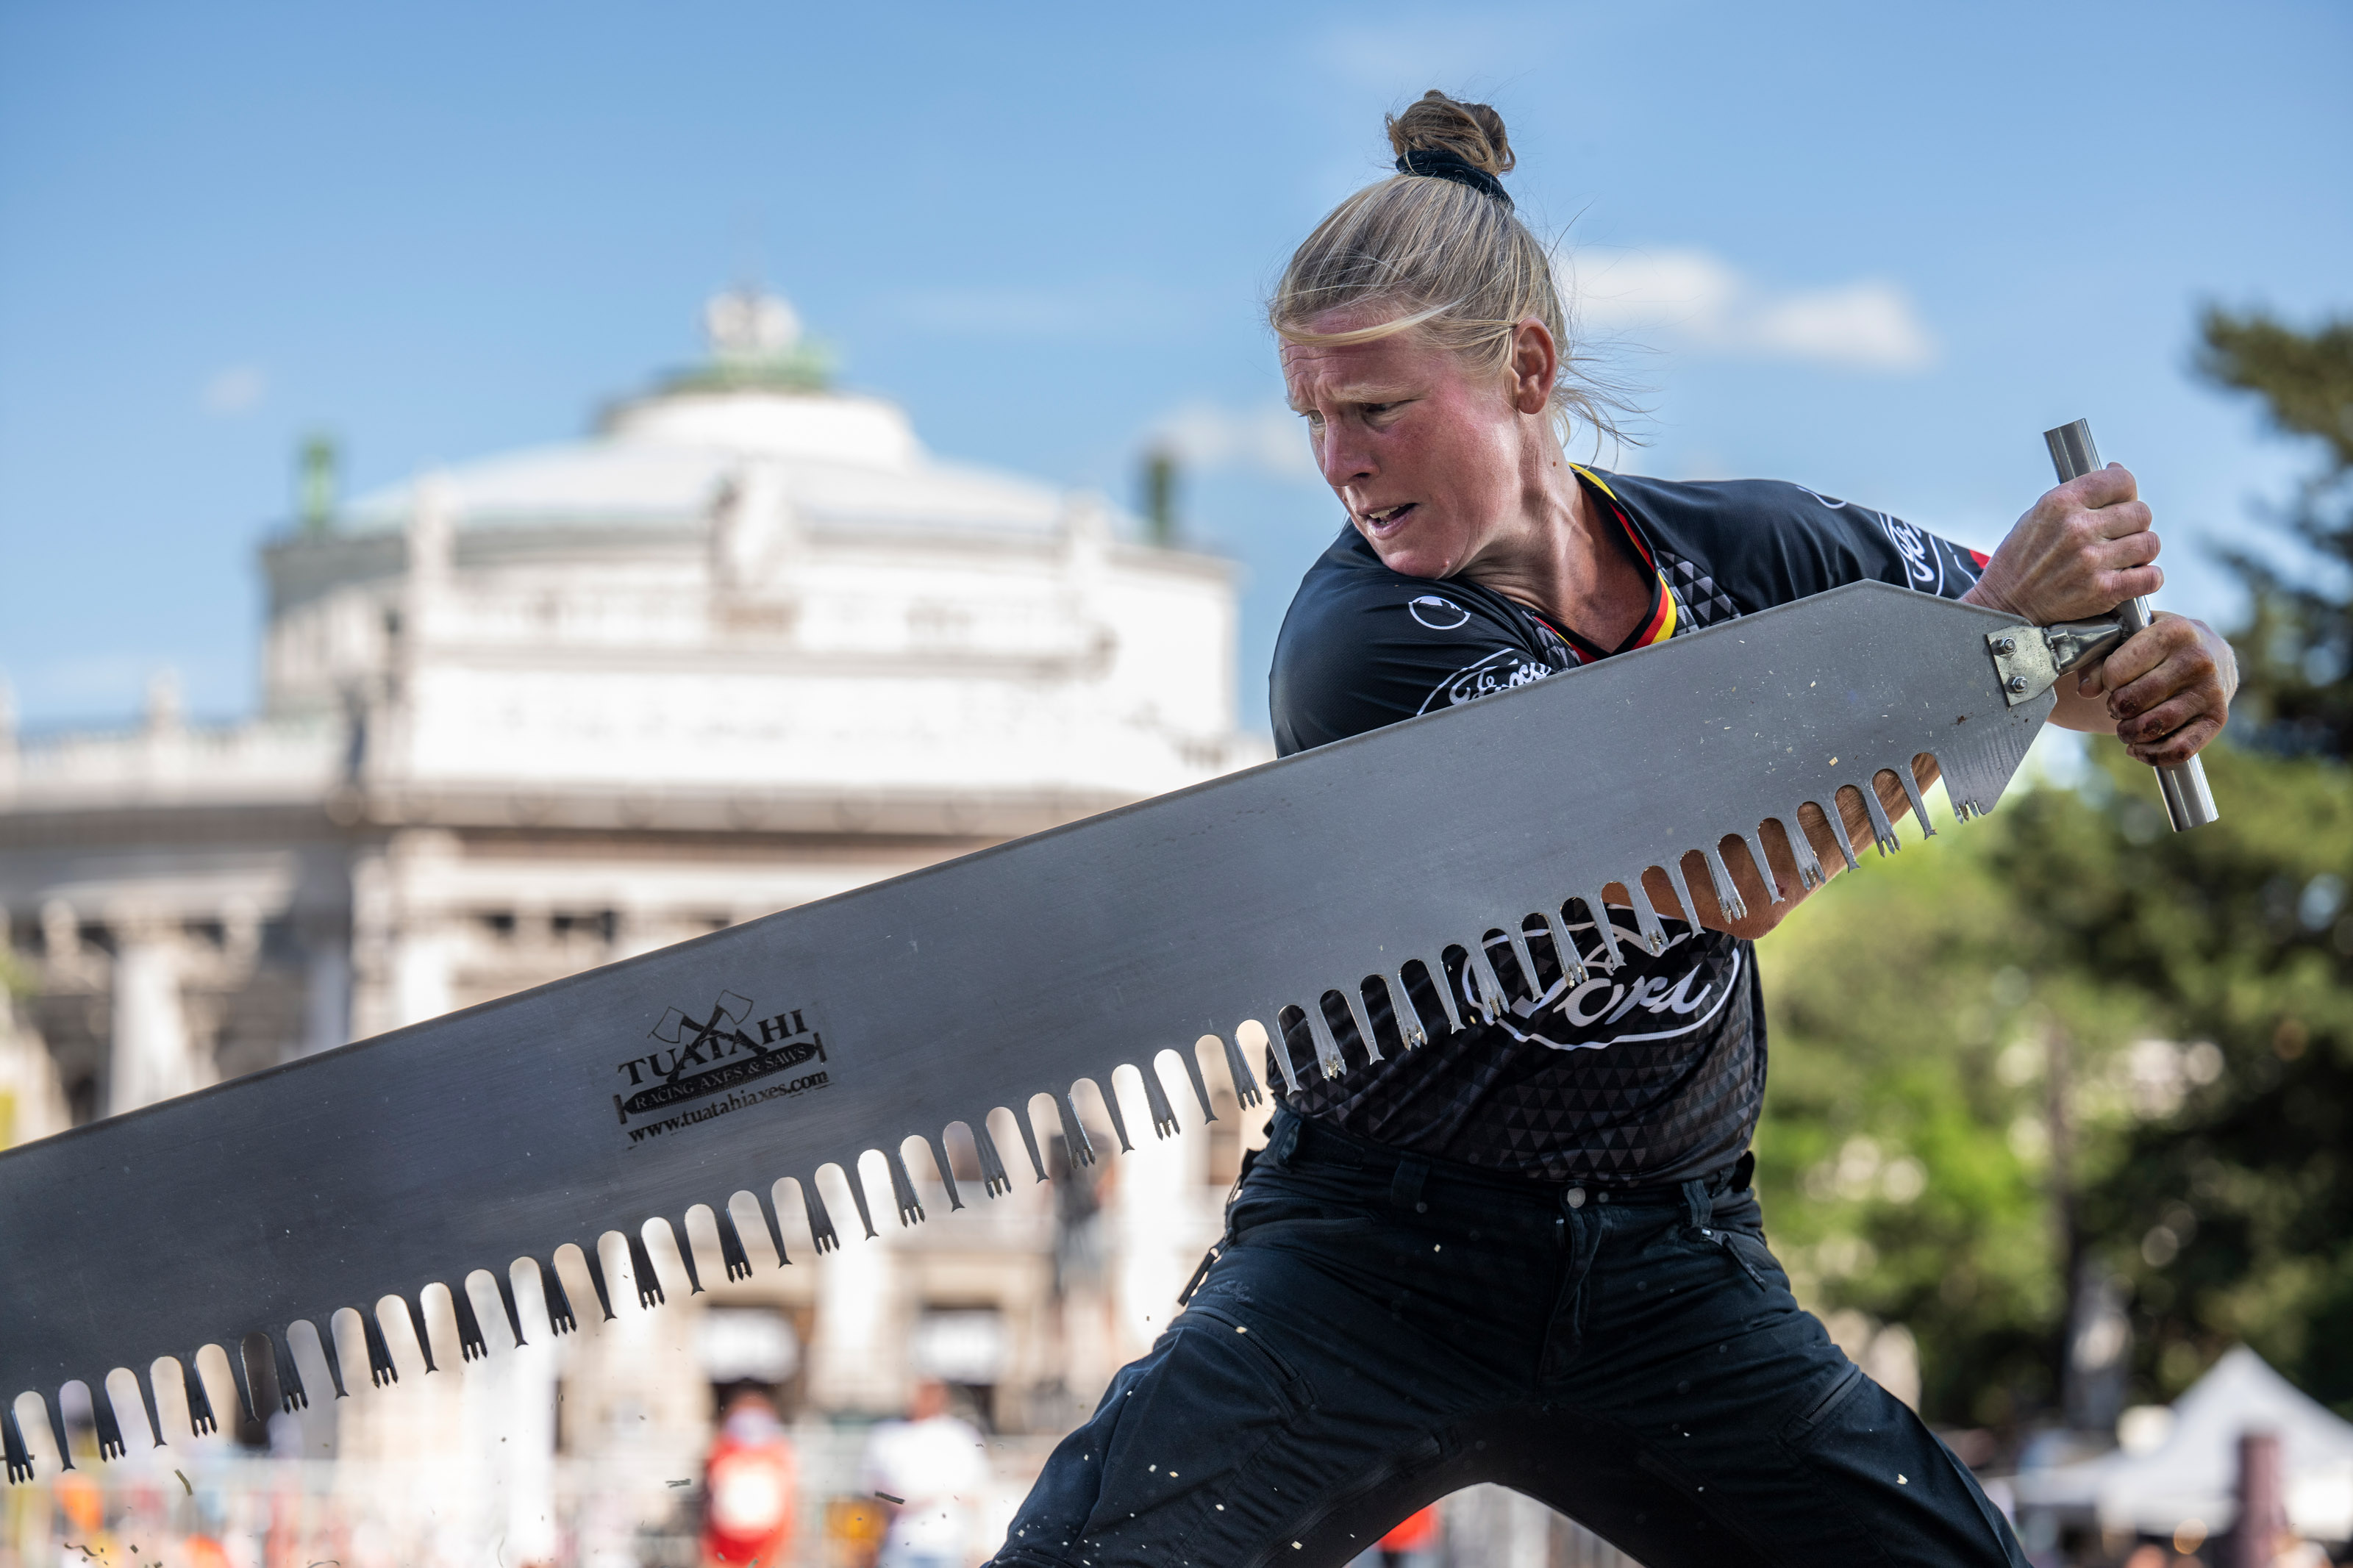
687	1076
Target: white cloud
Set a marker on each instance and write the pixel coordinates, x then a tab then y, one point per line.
1269	439
232	390
1707	303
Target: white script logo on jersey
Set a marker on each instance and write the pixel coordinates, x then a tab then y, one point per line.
1502	670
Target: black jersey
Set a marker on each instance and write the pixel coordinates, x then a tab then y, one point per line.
1652	1070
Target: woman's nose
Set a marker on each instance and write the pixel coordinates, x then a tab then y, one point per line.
1344	458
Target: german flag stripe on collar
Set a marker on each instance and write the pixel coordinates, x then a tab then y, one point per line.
1660	624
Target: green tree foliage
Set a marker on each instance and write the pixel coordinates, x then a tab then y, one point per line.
2298	645
2199	989
2196	988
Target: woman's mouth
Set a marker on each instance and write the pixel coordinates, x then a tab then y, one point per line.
1388	519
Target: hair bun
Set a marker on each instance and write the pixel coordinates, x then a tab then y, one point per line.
1437	123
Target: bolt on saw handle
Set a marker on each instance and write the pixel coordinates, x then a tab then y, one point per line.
2188	802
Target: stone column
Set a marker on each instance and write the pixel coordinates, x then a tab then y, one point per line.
422	976
31	1103
859	1361
1153	1215
327	984
404	951
151	1056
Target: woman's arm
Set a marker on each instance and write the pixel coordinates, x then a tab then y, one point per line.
1762	914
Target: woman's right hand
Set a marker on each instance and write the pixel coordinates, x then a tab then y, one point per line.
2080	551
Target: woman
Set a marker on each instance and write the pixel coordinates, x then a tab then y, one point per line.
1526	1252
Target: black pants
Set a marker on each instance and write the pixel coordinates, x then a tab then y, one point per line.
1381	1331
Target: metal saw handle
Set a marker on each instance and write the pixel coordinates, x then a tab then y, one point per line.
2188	802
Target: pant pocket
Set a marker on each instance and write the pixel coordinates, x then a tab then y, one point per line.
1210	1398
1819	1412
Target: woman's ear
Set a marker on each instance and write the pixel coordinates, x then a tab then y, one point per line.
1535	362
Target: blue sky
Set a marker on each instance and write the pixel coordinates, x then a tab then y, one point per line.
1873	249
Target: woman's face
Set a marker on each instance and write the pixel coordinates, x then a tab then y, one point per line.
1423	450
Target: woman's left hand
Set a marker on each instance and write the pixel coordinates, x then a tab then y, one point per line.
2164	693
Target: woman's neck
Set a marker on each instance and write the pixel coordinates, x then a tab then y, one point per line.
1564	556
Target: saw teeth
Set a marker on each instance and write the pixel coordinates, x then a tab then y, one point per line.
939	1149
1075	1141
1191	1061
1238	1067
593	1256
502	1278
1563	947
1753	838
292	1394
1163	1115
417	1322
1411	1029
857	1198
1327	1048
561	1319
1646	919
1727	891
155	1416
1919	802
731	1244
1434	970
1810	865
471	1345
1838	831
1673	868
381	1370
903	1187
767	1204
682	1238
1362	1018
57	1412
1025	1122
992	1168
1278	1044
110	1429
12	1447
200	1408
1597	911
1484	980
248	1391
820	1223
1881	829
1517	936
1110	1094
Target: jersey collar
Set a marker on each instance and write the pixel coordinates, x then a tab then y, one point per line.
1660	624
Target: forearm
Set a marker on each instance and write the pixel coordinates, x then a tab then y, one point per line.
1761	912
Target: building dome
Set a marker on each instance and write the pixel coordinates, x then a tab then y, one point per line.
851	460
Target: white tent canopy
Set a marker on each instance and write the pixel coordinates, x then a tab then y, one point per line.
2192	1473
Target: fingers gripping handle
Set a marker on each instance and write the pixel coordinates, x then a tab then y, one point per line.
2188	802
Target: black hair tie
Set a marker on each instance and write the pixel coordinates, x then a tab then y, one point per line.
1444	165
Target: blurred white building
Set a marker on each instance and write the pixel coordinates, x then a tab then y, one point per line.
745	646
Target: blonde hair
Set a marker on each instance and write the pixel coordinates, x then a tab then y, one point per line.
1455	264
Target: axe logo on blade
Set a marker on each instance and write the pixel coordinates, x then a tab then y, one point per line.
724	1050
